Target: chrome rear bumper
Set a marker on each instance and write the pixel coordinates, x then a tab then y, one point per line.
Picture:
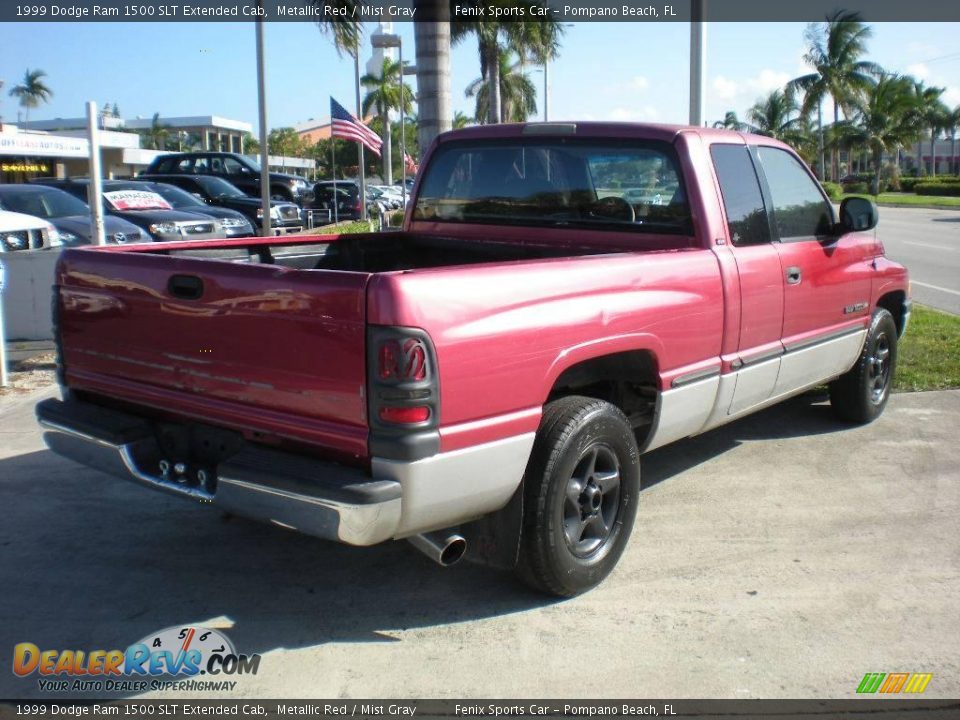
301	493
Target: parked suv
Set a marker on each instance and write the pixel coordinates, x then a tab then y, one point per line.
237	169
285	217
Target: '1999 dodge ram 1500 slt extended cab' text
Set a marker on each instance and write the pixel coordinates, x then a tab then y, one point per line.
561	298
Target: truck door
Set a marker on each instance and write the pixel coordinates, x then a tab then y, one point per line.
758	266
826	277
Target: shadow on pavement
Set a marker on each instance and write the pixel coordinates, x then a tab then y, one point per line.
804	415
89	561
949	219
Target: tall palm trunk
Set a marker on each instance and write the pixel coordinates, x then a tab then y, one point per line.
433	70
823	157
920	169
387	150
492	54
933	152
835	150
953	152
877	163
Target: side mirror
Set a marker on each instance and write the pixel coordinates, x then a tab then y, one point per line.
858	214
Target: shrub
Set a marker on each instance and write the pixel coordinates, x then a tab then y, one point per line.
833	190
951	189
909	184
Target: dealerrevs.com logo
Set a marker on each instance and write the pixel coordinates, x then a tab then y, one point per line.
183	653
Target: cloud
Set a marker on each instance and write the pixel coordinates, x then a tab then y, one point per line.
919	71
646	113
951	97
636	84
639	83
745	92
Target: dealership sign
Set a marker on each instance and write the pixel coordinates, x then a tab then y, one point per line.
43	145
136	200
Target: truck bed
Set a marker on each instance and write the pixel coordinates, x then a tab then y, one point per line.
261	336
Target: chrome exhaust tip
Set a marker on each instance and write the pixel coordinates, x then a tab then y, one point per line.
443	548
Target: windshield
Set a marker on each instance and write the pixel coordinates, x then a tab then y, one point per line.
48	203
219	188
632	185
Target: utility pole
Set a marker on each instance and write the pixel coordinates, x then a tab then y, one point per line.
698	35
266	229
95	188
362	177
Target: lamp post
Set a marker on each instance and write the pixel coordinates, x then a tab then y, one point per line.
387	40
698	32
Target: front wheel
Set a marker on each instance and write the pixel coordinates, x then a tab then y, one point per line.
580	496
861	394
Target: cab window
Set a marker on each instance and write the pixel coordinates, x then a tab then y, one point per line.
800	211
747	219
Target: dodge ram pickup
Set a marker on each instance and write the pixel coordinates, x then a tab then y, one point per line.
561	298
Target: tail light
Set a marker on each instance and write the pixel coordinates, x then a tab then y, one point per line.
402	375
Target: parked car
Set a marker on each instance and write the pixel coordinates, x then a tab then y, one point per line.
67	213
391	195
285	217
348	192
485	381
234	224
235	168
25	232
146	210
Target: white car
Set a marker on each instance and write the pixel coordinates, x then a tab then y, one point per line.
26	232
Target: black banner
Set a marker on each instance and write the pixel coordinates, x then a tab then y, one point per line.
852	709
518	10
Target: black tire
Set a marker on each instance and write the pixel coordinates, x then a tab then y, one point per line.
572	540
861	394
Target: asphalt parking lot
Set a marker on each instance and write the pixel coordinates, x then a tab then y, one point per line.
784	555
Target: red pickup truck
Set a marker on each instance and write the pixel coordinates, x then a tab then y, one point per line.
562	298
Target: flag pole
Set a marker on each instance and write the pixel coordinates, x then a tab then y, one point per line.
333	171
363	173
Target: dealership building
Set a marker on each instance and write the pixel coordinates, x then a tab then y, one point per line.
59	147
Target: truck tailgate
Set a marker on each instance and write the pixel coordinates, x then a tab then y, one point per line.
254	347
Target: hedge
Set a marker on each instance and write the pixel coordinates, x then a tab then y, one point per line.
857	188
908	184
949	189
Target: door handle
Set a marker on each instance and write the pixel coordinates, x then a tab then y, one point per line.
793	275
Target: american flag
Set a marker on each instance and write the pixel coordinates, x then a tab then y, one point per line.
346	126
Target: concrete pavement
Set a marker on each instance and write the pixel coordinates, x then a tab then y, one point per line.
927	241
784	555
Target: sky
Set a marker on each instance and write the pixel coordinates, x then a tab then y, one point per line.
606	71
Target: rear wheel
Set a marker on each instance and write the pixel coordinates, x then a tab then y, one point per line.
580	496
861	394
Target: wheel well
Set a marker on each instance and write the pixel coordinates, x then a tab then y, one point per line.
628	380
895	302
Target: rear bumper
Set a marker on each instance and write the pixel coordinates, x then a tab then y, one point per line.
313	497
305	494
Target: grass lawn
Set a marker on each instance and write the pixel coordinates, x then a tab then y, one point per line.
929	352
911	199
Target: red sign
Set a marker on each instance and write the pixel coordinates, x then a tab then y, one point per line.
136	200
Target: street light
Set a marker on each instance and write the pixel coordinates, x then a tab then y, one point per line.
389	40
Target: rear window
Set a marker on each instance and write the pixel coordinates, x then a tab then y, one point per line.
633	186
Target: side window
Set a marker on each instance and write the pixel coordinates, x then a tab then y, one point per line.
798	205
742	199
232	167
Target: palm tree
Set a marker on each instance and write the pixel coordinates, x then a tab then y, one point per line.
432	34
386	93
518	94
834	49
952	122
344	33
775	116
32	91
885	120
935	118
730	122
156	136
535	42
461	120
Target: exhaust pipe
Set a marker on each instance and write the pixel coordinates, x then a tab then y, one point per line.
444	548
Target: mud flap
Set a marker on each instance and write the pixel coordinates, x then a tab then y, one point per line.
494	539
